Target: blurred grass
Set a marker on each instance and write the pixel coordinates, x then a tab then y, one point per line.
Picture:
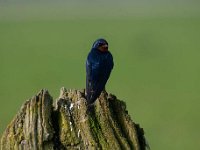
156	58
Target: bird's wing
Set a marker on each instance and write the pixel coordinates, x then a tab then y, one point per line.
93	67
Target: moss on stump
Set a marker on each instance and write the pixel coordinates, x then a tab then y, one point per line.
42	125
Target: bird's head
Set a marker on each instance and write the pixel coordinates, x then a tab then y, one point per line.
101	44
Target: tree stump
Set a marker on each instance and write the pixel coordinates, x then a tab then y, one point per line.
42	125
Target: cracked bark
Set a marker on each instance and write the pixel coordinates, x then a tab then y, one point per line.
42	125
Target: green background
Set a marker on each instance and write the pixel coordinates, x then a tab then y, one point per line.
156	49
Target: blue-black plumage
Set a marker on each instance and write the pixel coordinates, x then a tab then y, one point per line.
99	65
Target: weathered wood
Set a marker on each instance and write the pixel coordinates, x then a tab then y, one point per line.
40	125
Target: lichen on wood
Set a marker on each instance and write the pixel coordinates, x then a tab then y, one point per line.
66	124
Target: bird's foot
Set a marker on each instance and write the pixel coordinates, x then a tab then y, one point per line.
90	109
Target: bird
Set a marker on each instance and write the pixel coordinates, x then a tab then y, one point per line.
99	65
